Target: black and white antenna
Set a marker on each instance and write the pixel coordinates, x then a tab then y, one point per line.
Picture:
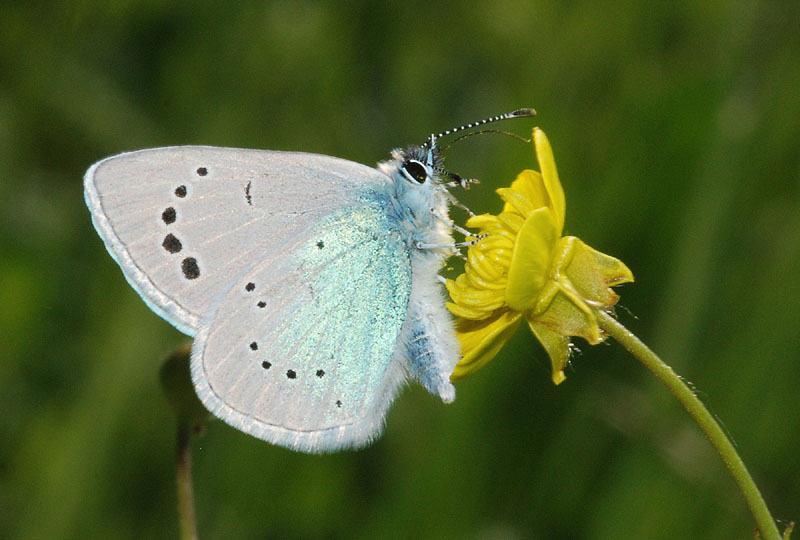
519	113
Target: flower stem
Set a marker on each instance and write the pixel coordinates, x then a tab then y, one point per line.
183	468
766	525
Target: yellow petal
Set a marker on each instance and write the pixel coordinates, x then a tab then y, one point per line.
512	220
483	221
530	263
479	299
496	241
547	164
516	201
483	265
530	185
471	302
467	313
478	282
481	340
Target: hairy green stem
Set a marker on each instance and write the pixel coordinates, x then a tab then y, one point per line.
183	469
766	525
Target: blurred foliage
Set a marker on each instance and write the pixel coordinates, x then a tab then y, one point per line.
675	126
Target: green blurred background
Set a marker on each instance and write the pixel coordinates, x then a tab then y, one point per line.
676	129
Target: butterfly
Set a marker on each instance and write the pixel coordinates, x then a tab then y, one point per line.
310	283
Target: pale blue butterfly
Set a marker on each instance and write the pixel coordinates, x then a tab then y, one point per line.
310	283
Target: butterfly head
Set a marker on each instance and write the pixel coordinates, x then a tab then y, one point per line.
418	195
416	165
421	165
416	176
420	185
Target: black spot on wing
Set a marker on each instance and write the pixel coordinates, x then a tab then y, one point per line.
202	171
190	268
180	191
169	216
247	193
250	287
254	346
291	374
172	244
266	365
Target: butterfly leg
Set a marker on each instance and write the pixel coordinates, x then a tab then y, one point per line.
450	223
478	238
455	202
456	180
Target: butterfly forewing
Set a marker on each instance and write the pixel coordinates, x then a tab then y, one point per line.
185	223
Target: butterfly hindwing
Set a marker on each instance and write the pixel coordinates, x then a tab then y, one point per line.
185	222
301	350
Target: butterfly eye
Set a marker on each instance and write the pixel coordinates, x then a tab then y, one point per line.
415	170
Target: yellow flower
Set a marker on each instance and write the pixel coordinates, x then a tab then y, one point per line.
524	268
